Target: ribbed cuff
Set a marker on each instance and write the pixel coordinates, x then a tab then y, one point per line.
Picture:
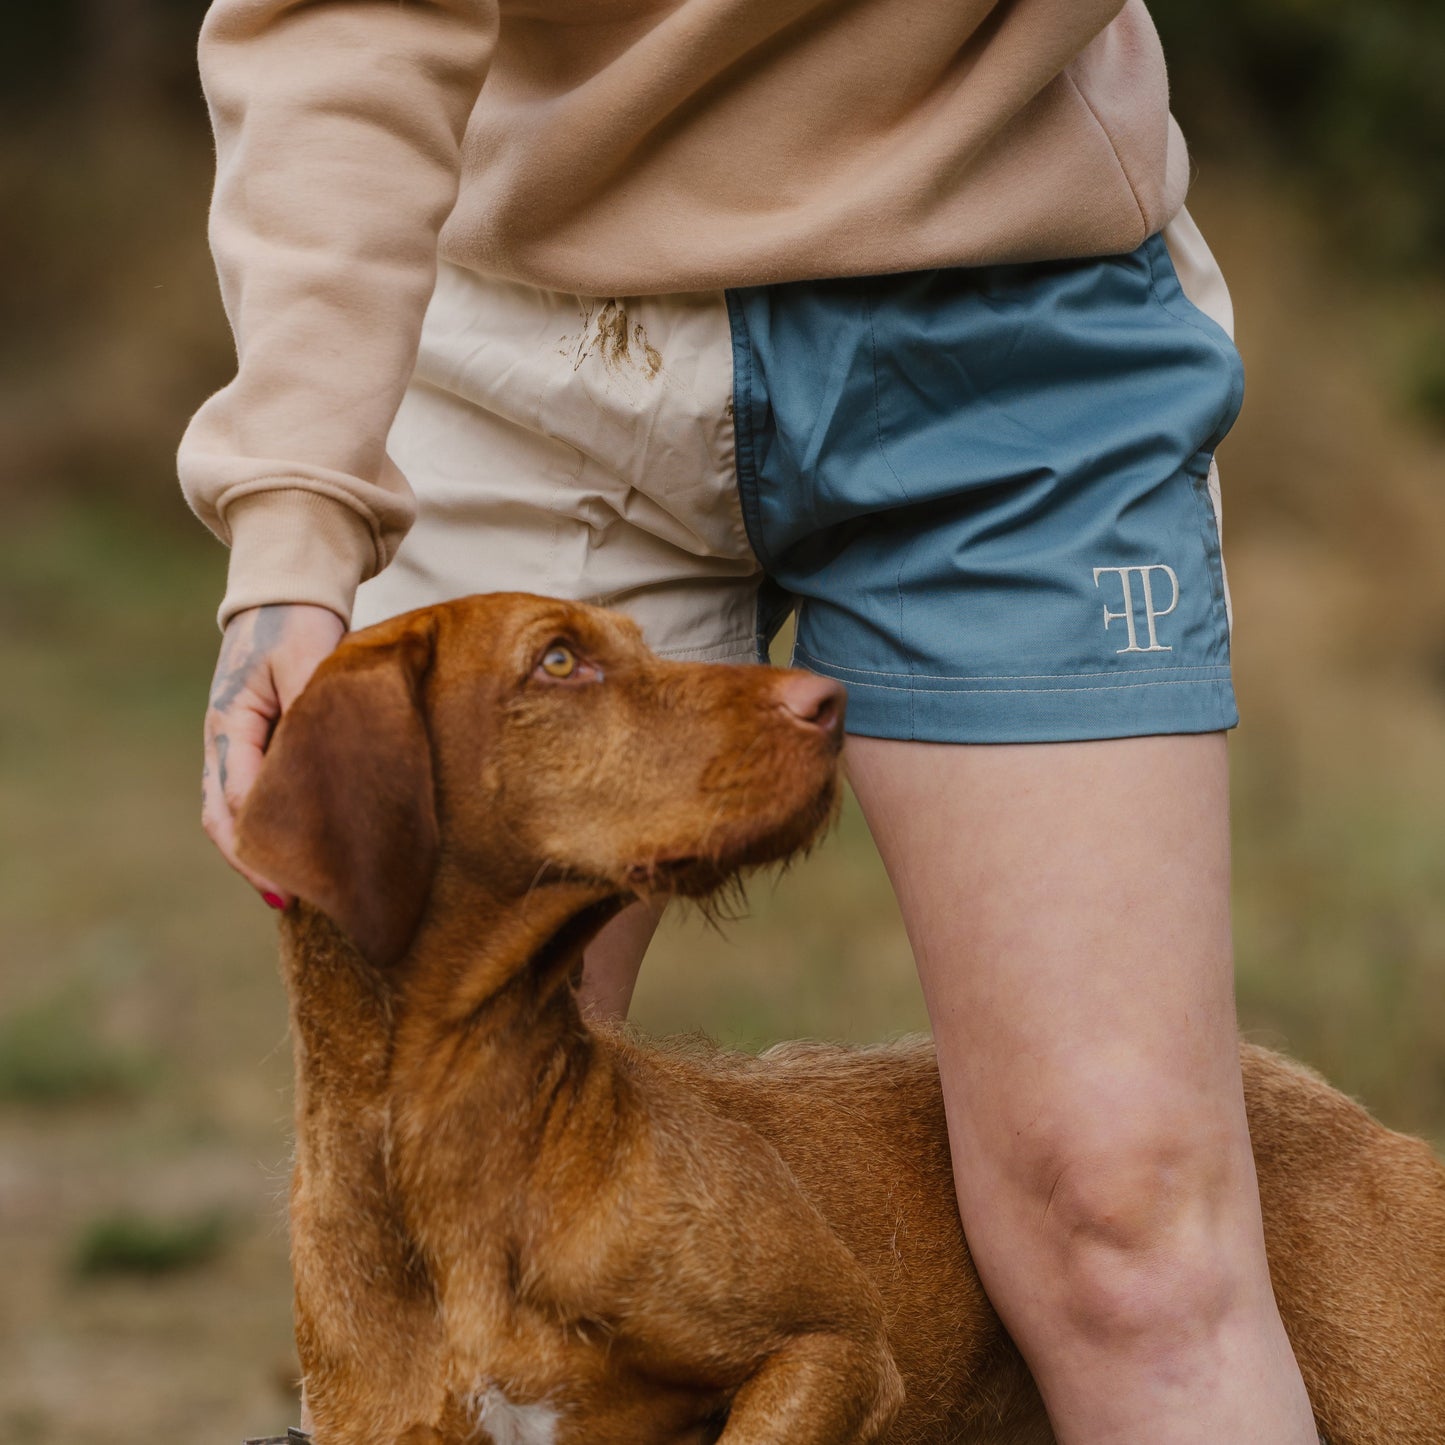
293	545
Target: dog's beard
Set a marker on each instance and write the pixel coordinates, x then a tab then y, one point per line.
715	879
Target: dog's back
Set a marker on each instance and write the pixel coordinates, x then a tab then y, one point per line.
1355	1225
1354	1220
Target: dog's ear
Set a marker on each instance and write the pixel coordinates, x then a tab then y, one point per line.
343	812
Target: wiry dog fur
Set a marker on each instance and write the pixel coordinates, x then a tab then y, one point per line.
509	1226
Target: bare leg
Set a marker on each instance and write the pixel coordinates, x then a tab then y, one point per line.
1068	905
614	958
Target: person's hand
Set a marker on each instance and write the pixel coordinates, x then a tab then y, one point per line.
267	656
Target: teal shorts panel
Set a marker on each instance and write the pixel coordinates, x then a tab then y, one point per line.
985	493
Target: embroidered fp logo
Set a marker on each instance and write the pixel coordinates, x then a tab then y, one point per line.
1152	613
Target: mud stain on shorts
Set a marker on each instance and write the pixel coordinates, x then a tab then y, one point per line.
620	343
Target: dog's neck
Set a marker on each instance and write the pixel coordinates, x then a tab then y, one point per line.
483	952
447	1064
484	969
485	995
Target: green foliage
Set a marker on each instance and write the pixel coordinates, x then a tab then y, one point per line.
1340	931
1349	92
135	1244
52	1053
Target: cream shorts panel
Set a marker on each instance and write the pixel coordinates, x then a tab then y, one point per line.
580	448
1203	283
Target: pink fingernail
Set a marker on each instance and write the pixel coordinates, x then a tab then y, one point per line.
273	901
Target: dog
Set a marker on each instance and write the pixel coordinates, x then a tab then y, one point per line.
510	1226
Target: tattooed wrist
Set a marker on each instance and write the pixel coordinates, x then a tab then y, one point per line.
243	647
223	748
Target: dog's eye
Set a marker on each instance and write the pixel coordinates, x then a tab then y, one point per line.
559	663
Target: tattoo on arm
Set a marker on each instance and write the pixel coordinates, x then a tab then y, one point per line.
223	746
231	675
270	624
233	672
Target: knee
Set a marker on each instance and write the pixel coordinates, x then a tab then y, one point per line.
1141	1237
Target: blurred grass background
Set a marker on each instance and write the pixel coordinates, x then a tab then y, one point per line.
143	1061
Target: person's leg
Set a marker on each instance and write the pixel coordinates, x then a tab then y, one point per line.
1068	905
613	960
994	505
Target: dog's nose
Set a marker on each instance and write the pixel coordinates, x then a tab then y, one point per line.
817	701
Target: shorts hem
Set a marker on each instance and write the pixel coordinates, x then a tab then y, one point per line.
972	711
734	649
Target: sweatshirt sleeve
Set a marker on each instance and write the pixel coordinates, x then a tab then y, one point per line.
338	125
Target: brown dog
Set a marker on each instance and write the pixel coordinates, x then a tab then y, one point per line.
509	1226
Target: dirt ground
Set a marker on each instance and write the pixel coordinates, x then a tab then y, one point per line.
143	1054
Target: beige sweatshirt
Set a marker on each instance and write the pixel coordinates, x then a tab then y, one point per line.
617	147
